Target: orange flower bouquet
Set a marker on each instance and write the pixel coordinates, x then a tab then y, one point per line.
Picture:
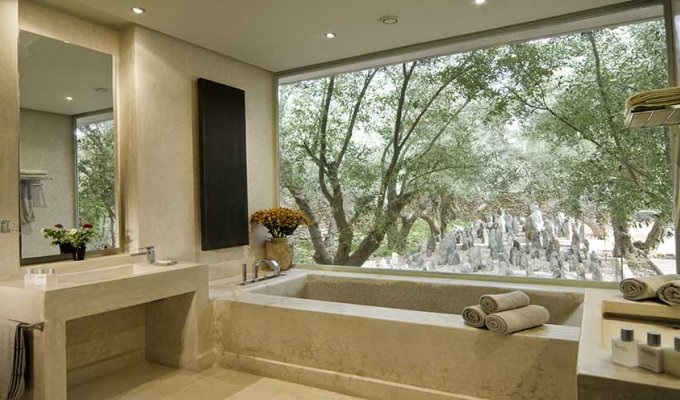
280	221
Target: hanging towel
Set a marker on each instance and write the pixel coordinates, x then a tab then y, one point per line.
506	322
670	293
12	360
474	316
641	288
26	215
493	303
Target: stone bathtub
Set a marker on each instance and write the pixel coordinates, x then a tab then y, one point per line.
392	337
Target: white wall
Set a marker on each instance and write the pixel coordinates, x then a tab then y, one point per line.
46	142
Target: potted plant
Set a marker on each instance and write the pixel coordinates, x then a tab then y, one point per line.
59	237
79	238
281	222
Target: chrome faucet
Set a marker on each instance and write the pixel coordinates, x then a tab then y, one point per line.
149	251
256	271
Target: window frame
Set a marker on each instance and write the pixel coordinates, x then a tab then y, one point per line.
598	18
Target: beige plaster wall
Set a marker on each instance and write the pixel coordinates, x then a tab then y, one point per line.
46	142
157	117
162	194
9	125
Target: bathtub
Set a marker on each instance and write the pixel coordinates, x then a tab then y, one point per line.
388	337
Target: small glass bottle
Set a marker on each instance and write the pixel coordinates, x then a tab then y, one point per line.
625	348
671	358
650	355
29	277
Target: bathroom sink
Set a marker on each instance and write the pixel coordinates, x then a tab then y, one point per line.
102	274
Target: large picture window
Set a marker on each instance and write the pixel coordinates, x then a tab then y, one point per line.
511	160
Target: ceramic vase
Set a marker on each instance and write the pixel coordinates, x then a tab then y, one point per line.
281	251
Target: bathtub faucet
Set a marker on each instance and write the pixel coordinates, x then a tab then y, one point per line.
271	263
256	270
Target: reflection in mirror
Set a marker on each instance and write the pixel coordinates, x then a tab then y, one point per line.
67	144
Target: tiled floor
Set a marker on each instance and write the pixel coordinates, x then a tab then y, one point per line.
152	382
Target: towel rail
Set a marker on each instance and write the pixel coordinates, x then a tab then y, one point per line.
38	325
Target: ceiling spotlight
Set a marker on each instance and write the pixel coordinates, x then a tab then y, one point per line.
480	2
69	98
389	20
101	90
329	35
140	10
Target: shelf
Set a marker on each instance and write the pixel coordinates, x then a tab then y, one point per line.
653	108
650	118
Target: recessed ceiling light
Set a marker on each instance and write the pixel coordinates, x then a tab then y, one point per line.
69	98
480	2
140	10
389	20
329	35
101	90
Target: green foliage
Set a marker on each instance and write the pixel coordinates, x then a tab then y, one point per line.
454	138
96	181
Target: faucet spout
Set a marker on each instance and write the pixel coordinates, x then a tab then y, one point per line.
149	251
271	264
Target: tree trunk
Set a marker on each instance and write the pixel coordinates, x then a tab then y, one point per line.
623	244
434	229
321	253
598	231
398	238
655	235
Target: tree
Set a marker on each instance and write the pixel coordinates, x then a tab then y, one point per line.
400	154
96	181
375	154
573	89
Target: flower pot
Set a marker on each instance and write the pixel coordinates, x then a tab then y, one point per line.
281	251
78	253
65	248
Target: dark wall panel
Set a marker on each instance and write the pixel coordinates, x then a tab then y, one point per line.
224	180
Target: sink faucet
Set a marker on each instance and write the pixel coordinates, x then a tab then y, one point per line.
149	251
256	269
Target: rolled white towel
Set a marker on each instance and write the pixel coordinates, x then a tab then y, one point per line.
493	303
506	322
646	287
474	316
670	293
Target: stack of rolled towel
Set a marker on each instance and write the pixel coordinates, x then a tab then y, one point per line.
505	313
664	287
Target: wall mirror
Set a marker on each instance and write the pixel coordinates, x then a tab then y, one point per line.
67	139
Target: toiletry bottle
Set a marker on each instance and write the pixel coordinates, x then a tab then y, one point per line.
41	277
52	277
671	359
650	355
29	277
625	348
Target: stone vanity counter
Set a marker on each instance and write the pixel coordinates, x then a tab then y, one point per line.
176	327
605	313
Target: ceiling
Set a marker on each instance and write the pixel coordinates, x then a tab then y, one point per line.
281	35
50	70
